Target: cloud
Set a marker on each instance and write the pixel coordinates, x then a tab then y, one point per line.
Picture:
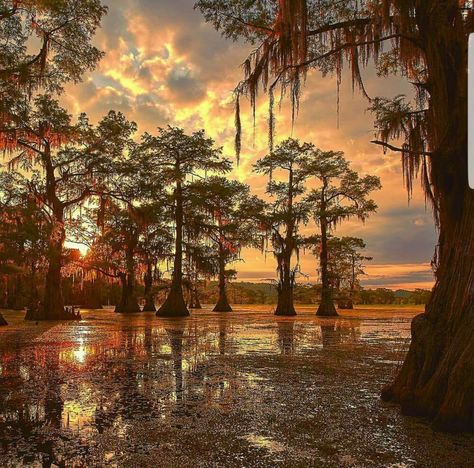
163	64
183	85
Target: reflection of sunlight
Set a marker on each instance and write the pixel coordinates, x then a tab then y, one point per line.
81	353
76	355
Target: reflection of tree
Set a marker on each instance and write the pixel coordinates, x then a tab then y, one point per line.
175	335
24	413
335	332
286	337
330	335
223	323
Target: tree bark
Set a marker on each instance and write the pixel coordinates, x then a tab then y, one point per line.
194	302
223	302
285	306
52	307
326	307
128	302
3	322
437	377
149	296
175	305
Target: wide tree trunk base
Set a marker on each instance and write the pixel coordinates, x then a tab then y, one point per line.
446	394
222	306
327	309
3	322
174	306
285	310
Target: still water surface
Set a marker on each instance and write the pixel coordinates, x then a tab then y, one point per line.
239	389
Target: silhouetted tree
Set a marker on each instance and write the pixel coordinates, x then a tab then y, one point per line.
176	156
345	265
230	220
286	212
75	160
342	195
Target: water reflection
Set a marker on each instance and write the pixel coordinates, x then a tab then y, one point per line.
286	337
110	377
175	336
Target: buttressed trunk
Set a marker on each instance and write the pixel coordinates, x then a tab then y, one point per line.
175	305
52	307
326	307
437	377
223	302
285	304
128	301
149	296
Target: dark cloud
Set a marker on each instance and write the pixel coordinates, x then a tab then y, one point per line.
184	85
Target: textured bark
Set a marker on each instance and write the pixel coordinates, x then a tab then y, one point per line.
437	377
326	307
285	306
174	305
52	307
149	296
223	302
128	302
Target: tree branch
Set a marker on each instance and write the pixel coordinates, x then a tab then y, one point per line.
401	150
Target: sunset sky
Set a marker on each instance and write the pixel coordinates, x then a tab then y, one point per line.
163	65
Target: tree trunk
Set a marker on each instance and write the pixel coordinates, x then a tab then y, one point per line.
194	302
149	296
91	297
285	304
128	302
3	322
16	296
326	307
222	303
52	307
437	377
174	305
